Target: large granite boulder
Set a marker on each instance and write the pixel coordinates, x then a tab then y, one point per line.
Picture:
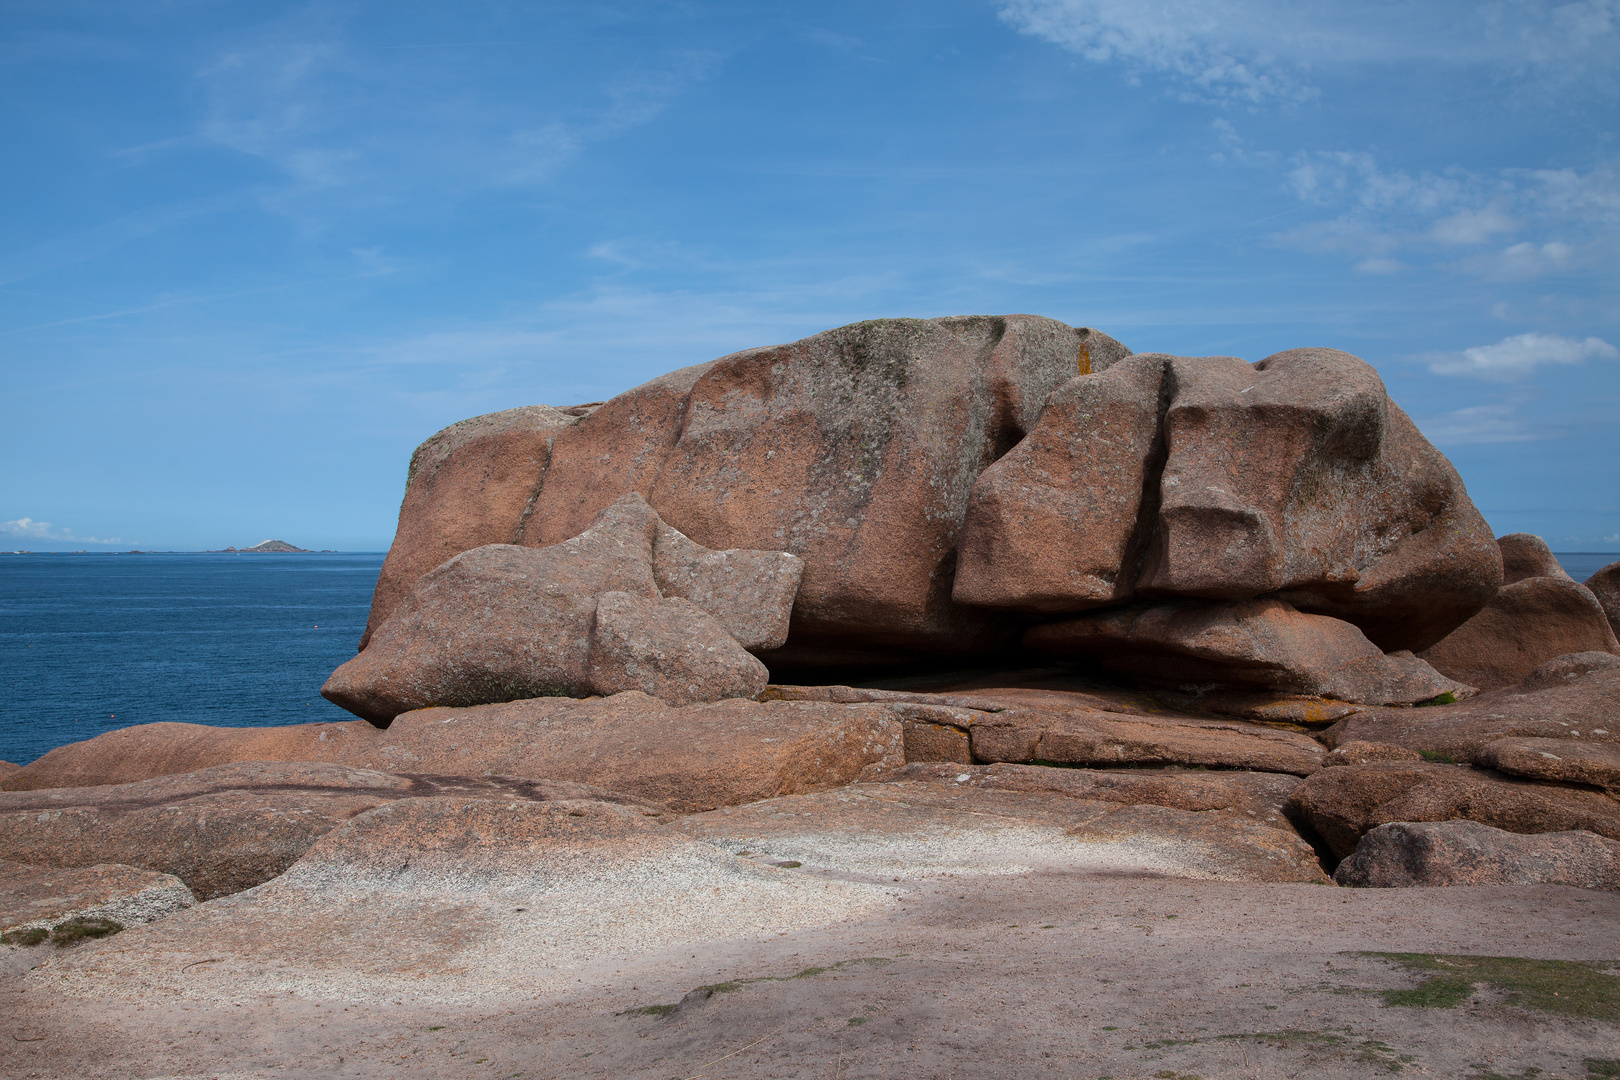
1211	477
1344	804
1533	620
1255	644
854	449
1605	585
1407	853
503	622
1526	555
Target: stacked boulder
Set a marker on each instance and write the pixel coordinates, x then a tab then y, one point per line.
629	604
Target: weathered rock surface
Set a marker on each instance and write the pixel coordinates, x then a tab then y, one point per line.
907	829
1527	623
692	758
502	622
1563	761
1526	555
1056	523
1343	804
750	593
854	449
1080	737
670	649
472	484
1359	752
1605	586
1259	796
225	828
1210	477
7	768
1263	644
1404	854
1568	697
46	897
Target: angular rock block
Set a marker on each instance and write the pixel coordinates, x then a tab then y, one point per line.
1405	854
44	897
1260	644
1527	623
1210	477
670	649
1344	804
502	622
1053	525
1558	761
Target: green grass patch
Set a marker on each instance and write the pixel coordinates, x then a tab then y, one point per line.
1435	755
1447	698
1602	1069
1560	987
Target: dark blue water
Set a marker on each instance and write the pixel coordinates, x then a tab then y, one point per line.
89	643
1581	565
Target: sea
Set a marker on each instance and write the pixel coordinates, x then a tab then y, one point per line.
94	642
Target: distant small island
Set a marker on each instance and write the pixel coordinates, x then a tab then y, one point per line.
270	547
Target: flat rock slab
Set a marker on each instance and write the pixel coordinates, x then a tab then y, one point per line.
1007	976
225	828
1096	739
482	895
1094	727
692	758
908	830
1259	796
1406	853
45	897
1565	761
1344	804
1571	697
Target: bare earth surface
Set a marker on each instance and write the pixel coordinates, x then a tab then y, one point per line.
1076	974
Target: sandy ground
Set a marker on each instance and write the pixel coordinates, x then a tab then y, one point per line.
1046	974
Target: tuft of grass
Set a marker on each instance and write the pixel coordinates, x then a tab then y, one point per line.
71	932
1602	1069
1447	698
1435	755
1560	987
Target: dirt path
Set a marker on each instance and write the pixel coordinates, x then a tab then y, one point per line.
1050	975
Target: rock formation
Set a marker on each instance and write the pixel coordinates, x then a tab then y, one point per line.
585	616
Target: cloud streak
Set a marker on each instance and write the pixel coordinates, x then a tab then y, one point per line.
28	529
1519	356
1256	51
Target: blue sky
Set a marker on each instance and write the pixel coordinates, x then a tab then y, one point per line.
252	253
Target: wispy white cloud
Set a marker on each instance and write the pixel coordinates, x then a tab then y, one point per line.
1380	213
29	529
1259	50
1477	424
1518	357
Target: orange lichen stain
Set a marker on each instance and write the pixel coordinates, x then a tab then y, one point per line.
1085	358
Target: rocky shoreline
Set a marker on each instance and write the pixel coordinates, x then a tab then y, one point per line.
797	645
